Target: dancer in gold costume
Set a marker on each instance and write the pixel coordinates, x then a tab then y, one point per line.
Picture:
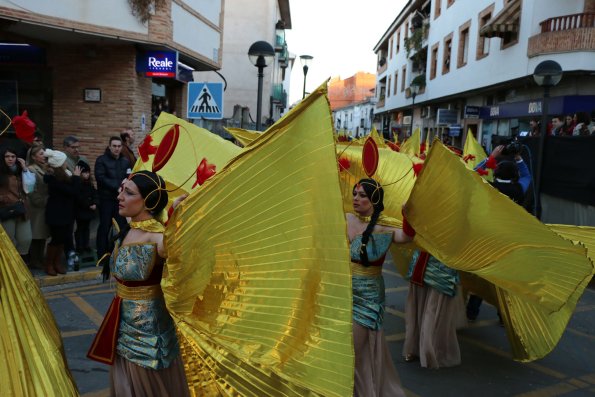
375	374
138	336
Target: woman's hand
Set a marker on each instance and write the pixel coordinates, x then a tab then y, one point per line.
22	163
77	171
497	151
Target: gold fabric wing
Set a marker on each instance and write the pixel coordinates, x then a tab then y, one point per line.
32	356
245	137
536	275
258	277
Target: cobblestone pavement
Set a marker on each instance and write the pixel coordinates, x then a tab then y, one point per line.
487	369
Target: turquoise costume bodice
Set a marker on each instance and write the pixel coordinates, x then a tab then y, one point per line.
436	275
378	245
147	335
367	282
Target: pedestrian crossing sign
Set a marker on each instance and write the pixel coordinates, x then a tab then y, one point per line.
205	101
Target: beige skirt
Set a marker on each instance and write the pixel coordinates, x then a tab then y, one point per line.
431	322
130	380
375	373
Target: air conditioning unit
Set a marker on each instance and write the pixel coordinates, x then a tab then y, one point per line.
425	112
406	120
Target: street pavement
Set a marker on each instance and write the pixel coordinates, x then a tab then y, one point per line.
486	370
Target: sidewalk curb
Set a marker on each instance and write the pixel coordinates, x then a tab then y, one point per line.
72	277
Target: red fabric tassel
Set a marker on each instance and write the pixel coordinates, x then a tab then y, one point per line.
417	168
103	348
24	127
344	164
482	172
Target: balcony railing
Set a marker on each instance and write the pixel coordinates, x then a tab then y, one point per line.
279	95
567	22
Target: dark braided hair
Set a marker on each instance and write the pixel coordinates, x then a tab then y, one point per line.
375	194
152	189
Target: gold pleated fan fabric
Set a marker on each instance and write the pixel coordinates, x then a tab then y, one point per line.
32	361
412	145
536	274
258	276
245	137
186	151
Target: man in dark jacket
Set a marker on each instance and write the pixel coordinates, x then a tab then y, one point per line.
110	169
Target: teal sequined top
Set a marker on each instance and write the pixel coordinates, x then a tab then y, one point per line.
368	289
147	335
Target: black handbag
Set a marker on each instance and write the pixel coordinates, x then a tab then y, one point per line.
12	211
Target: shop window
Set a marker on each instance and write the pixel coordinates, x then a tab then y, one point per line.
463	50
447	54
434	61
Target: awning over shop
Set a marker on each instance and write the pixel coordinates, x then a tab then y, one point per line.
505	23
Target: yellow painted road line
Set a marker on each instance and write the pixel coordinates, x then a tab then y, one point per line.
397	289
394	312
550	391
86	308
74	289
589	378
98	393
395	337
538	367
71	334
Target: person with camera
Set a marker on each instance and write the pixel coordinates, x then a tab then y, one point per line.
512	178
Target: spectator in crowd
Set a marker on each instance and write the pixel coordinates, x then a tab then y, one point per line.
72	150
63	188
110	170
592	125
534	127
13	201
86	204
37	138
581	128
127	142
558	125
569	125
37	163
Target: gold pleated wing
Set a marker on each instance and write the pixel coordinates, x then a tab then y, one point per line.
536	275
32	361
175	148
473	153
245	137
258	277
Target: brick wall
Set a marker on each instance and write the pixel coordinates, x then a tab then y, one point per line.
589	6
124	95
562	41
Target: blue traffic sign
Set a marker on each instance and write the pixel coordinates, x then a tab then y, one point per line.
205	100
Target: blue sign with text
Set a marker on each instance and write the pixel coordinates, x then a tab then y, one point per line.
205	100
158	63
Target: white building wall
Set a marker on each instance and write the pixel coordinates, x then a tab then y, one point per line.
107	13
192	33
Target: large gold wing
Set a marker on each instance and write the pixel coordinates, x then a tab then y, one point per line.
258	277
32	361
537	275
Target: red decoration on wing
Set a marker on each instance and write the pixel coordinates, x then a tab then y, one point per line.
482	172
468	158
145	149
491	163
393	146
204	171
24	127
166	148
344	164
342	138
417	168
422	147
370	157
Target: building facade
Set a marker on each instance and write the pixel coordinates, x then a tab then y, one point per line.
355	120
354	89
93	69
247	22
449	66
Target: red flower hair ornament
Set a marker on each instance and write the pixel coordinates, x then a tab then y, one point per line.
204	171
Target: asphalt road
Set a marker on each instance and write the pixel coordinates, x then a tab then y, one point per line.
486	370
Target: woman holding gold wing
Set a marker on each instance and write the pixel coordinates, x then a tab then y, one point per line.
138	336
375	374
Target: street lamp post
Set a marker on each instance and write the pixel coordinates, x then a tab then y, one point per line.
305	60
260	54
414	91
547	74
